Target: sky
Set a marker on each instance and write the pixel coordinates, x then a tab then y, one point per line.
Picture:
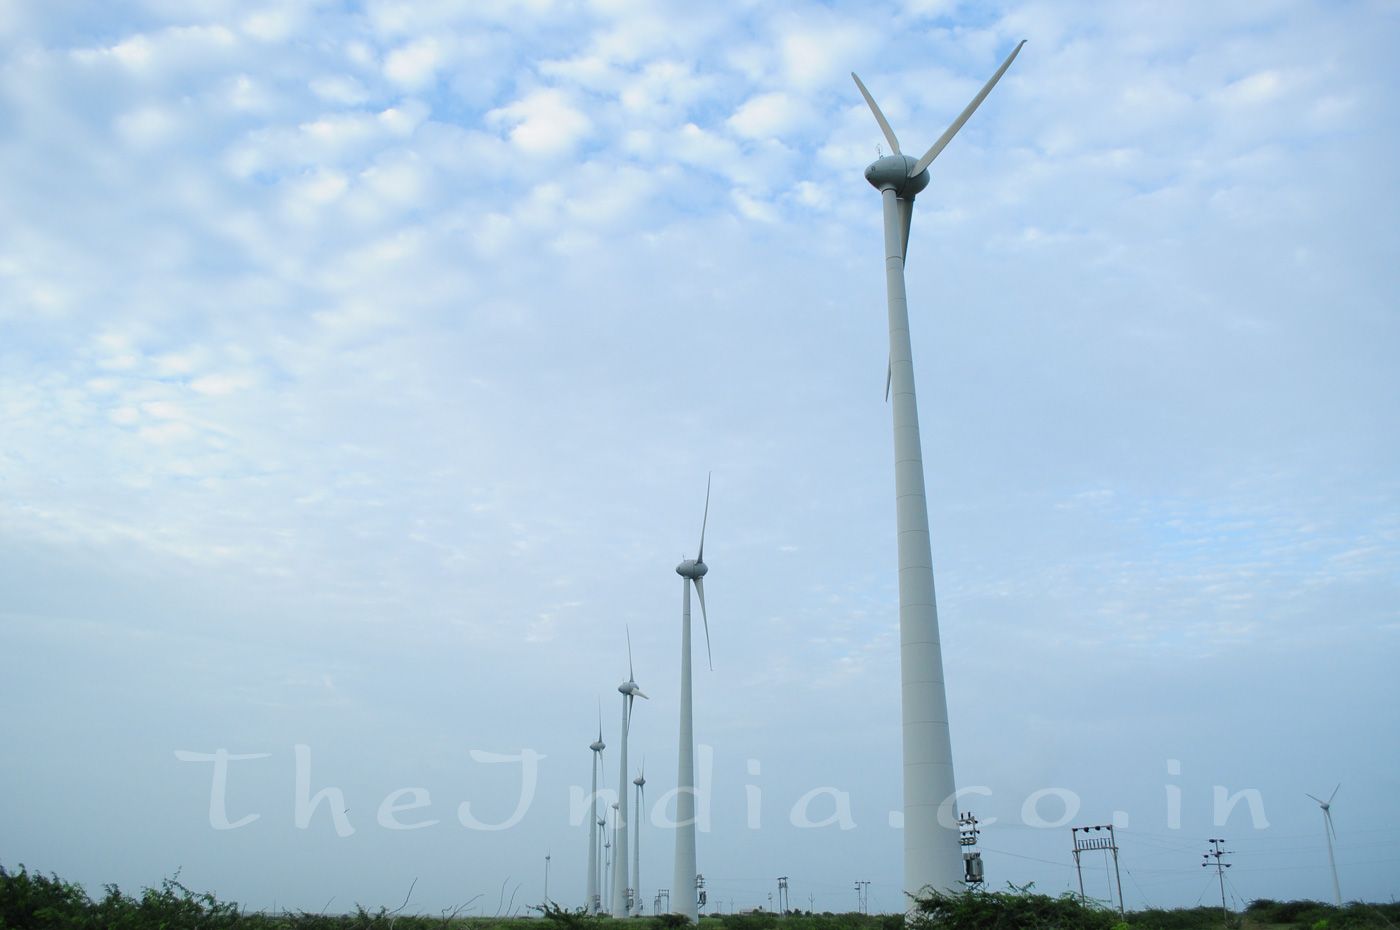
362	367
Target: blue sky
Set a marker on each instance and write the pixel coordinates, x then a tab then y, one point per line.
361	367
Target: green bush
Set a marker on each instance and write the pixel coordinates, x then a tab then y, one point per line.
1184	918
764	921
1018	909
32	900
670	921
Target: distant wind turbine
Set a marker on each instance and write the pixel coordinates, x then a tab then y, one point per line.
693	571
640	781
621	894
592	905
1328	831
607	851
932	855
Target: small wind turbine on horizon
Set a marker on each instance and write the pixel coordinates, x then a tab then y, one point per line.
593	904
932	854
607	851
1329	831
684	897
640	781
621	894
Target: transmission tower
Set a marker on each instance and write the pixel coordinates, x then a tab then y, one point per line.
782	894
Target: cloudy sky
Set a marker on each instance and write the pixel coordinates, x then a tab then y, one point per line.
362	364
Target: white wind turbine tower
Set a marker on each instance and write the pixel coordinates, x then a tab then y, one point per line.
932	856
621	894
597	746
1329	832
640	781
684	900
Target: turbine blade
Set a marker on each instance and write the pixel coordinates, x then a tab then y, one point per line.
906	215
700	556
879	117
600	719
627	727
638	693
700	590
1334	792
1318	800
630	675
1331	828
889	377
952	130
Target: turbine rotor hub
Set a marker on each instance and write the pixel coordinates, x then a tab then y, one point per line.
597	745
892	173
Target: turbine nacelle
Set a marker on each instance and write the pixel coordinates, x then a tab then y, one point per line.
895	172
630	689
694	569
597	745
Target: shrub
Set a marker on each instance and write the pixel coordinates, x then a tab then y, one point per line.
670	921
1019	909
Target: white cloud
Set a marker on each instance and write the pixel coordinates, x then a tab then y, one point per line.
340	88
146	127
416	64
768	115
813	56
220	384
543	122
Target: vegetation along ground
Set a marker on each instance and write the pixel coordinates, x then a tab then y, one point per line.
33	900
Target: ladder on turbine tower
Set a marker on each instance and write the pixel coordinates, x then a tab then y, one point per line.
973	876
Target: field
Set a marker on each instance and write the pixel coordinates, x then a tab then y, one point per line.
33	900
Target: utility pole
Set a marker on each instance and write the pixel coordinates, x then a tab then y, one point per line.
1087	842
973	876
1216	852
546	883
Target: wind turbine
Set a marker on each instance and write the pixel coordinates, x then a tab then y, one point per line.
1329	832
607	852
692	571
640	781
932	856
597	746
621	904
